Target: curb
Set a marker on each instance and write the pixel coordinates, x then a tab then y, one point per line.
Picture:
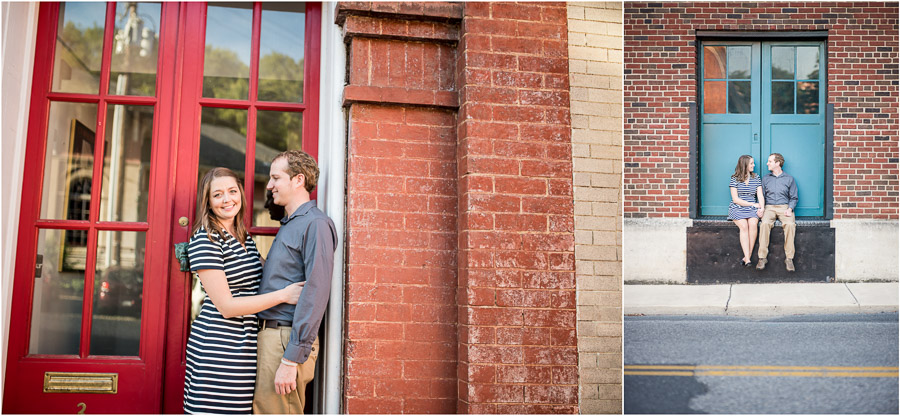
761	299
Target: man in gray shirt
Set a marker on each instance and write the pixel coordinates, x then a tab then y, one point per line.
781	199
303	251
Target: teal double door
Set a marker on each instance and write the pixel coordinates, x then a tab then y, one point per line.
759	98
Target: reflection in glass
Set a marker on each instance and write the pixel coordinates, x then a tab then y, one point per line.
275	132
739	62
714	97
263	244
226	60
69	161
739	97
126	163
713	62
79	47
118	293
135	49
782	62
782	97
807	62
58	298
223	140
281	52
808	98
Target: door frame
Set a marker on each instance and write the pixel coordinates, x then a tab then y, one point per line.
694	114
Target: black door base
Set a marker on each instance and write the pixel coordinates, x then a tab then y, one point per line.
714	254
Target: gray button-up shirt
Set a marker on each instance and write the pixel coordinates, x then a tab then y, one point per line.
303	251
780	190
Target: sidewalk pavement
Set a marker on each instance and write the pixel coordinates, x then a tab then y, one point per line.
761	299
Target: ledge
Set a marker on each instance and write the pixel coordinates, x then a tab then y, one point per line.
409	30
404	96
433	11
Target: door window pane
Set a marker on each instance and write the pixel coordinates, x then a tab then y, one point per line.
226	60
739	62
58	296
714	97
782	97
223	140
118	293
264	244
808	62
126	163
782	62
135	49
275	132
739	97
79	47
808	98
713	62
281	52
69	161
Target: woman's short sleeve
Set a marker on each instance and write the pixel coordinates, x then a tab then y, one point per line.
733	183
204	254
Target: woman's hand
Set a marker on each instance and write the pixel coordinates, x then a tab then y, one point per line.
291	294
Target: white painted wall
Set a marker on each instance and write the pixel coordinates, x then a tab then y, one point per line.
866	250
655	250
19	30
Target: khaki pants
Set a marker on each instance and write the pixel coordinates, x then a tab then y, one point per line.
271	343
765	228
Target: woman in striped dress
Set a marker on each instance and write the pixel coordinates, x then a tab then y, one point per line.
747	203
221	349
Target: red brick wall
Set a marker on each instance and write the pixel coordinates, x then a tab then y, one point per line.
660	81
400	339
460	282
517	344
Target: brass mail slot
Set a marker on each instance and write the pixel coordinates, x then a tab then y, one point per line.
57	382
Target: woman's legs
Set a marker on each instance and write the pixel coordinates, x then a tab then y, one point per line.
745	237
752	224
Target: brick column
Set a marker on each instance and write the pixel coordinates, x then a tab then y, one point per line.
400	341
517	342
595	70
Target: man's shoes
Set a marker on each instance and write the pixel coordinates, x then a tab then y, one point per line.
761	264
790	265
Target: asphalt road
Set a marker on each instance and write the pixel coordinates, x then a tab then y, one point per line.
824	364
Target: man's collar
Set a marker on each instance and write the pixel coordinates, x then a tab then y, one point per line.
301	210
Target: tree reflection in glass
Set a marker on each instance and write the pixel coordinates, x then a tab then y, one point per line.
226	60
281	52
79	47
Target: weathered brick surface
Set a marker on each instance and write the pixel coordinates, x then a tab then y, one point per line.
517	316
400	311
595	51
660	81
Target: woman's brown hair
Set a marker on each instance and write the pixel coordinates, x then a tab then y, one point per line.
206	218
742	170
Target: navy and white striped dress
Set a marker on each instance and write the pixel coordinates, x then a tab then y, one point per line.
221	352
747	192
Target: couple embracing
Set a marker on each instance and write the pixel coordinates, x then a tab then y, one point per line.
254	345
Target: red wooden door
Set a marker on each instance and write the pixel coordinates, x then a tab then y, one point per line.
92	261
249	85
131	102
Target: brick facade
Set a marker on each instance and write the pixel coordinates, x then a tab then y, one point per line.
660	81
460	292
595	74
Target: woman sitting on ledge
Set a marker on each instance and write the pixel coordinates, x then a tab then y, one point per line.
747	203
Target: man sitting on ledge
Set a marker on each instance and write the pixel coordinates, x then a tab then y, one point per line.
781	199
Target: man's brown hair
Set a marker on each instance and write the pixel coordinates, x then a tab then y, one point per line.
300	162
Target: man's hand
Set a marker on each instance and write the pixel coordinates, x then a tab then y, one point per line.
760	212
787	212
285	379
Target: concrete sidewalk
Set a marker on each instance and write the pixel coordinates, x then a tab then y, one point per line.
761	299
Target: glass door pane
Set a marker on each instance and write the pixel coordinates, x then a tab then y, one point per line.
69	161
79	47
58	292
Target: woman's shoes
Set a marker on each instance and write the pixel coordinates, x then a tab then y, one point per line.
745	263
